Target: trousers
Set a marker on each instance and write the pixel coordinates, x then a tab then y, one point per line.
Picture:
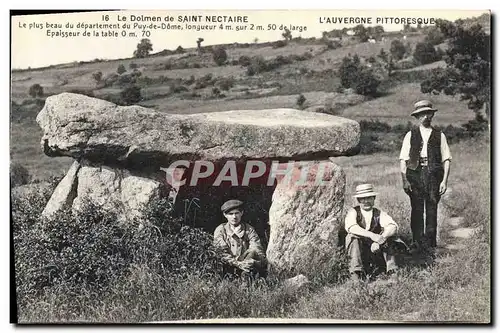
362	259
424	197
259	268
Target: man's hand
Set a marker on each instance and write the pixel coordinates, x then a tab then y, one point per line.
379	239
442	188
246	264
375	247
406	186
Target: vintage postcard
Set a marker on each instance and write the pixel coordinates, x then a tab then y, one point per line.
251	166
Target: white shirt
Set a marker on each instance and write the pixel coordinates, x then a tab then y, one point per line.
385	219
425	133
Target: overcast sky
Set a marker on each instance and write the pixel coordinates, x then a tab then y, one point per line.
33	48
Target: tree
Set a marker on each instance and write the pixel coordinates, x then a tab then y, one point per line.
383	55
143	48
130	95
379	30
301	100
398	49
361	32
121	69
357	76
435	36
287	34
198	43
425	53
36	90
468	66
219	55
255	40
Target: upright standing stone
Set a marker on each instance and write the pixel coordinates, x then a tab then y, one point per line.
305	219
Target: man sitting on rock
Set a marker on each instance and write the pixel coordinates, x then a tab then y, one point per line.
370	233
239	243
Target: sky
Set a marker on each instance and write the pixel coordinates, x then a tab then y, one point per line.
32	46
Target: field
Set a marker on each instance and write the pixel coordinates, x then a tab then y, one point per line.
454	287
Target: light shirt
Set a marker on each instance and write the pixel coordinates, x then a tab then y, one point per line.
425	133
385	219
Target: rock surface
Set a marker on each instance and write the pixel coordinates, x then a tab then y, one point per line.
80	126
65	192
111	188
296	284
305	219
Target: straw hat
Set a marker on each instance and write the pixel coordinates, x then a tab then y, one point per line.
422	106
364	190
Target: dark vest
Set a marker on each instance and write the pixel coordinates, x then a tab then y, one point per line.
374	223
433	149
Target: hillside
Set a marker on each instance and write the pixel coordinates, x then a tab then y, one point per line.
254	76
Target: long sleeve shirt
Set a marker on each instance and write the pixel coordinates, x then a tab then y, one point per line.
234	247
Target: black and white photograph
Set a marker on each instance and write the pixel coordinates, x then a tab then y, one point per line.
250	166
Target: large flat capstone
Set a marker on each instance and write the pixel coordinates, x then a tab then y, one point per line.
80	126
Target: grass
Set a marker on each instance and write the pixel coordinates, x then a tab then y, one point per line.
455	290
395	108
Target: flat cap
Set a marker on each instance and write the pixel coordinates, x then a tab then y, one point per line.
231	204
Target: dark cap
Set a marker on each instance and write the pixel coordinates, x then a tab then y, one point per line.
230	205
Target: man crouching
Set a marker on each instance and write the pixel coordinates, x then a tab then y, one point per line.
239	243
369	235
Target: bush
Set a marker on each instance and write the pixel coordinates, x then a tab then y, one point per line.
36	90
279	43
91	249
130	95
357	76
177	88
219	55
301	100
398	50
225	83
121	69
435	36
133	65
425	53
366	83
333	44
19	175
244	61
97	76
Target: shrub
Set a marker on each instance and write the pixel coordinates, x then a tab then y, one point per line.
177	88
133	65
357	76
226	83
279	43
333	44
19	175
435	36
97	76
90	249
36	90
244	60
425	53
220	56
130	95
366	83
257	65
301	100
397	49
121	69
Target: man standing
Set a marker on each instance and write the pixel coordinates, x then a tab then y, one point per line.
239	243
370	236
425	166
